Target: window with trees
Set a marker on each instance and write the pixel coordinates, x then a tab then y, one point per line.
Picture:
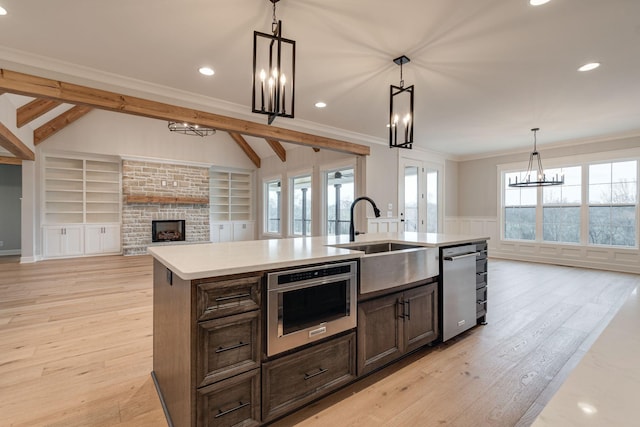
561	207
300	190
519	209
272	196
613	203
339	194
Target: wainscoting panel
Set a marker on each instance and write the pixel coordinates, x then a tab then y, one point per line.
383	225
603	258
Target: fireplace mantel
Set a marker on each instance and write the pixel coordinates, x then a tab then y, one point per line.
132	198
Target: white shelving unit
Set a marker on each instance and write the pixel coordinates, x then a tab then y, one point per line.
231	204
79	193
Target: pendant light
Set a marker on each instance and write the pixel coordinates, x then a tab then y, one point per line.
274	72
189	129
539	178
401	115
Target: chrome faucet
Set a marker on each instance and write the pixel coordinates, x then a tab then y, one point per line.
376	211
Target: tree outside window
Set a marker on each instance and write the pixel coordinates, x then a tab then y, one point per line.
301	205
272	202
613	203
561	206
340	193
519	209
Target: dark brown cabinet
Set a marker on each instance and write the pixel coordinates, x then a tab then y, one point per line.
293	380
232	402
392	325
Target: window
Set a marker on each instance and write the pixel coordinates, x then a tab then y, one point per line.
300	189
613	203
432	200
272	203
519	209
561	207
340	191
411	198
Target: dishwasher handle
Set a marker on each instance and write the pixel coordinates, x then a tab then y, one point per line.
457	257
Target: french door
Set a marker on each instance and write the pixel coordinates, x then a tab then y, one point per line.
419	195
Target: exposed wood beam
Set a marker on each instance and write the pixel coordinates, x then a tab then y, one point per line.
253	156
12	144
316	149
277	148
34	109
10	161
57	124
39	87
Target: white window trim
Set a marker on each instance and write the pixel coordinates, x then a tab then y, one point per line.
583	160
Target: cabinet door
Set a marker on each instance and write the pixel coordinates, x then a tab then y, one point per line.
111	239
52	241
420	310
221	232
379	332
243	231
73	240
93	239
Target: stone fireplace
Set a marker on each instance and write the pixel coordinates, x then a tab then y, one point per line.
163	192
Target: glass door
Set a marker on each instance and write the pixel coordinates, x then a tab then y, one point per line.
419	196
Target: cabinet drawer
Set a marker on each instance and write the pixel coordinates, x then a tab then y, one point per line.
293	380
232	402
227	347
224	298
481	301
481	265
481	279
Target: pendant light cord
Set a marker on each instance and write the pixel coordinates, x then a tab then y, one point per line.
274	22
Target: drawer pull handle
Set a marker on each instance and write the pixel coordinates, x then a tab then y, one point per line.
222	413
484	273
223	299
482	302
408	305
232	347
315	374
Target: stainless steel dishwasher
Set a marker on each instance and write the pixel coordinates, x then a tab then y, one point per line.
458	290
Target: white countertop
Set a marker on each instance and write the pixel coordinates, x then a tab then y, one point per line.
603	389
201	260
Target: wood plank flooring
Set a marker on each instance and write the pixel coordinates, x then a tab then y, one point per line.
76	350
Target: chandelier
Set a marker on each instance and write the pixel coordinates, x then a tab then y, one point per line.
401	111
535	168
274	70
189	129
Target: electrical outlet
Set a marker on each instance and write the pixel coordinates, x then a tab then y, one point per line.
163	183
175	183
390	207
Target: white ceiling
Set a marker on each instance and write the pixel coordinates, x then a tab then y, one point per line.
485	71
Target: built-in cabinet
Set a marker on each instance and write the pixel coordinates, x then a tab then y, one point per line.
390	326
231	204
81	206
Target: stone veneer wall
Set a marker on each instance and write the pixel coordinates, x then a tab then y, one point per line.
145	178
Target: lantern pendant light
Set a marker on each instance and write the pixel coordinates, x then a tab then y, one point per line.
274	72
401	117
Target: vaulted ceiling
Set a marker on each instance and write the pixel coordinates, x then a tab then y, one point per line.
485	71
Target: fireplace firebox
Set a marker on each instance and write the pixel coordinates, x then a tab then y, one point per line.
169	230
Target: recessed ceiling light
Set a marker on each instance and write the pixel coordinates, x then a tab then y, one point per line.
206	71
321	104
3	11
590	66
538	2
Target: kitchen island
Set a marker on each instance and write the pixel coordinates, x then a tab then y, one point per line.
214	321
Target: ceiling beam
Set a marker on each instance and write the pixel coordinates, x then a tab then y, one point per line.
10	161
277	148
34	109
57	124
253	156
12	144
39	87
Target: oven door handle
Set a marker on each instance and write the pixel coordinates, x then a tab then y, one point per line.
301	285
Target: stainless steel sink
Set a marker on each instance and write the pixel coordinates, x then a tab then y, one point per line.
387	265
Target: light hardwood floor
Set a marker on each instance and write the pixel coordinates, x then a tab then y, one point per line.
76	350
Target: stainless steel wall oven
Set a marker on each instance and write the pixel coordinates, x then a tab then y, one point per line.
310	303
